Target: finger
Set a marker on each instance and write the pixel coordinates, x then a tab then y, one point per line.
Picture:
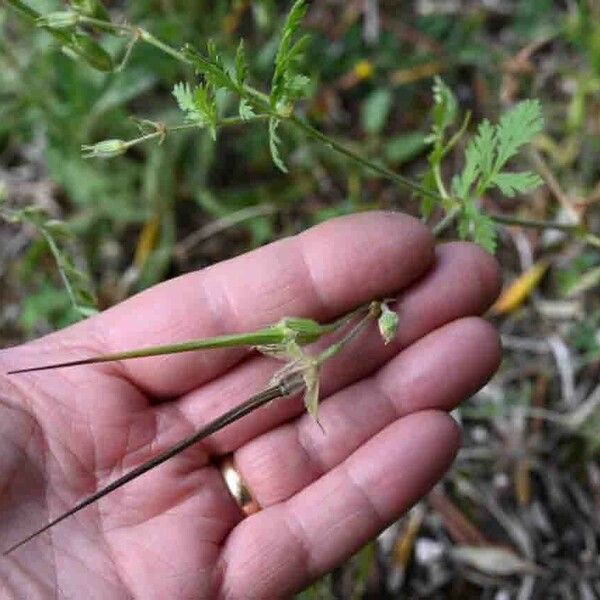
321	273
437	372
463	282
281	549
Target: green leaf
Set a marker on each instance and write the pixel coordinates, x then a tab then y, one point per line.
516	128
375	110
512	183
290	27
211	67
185	99
285	86
245	110
445	109
480	228
241	65
198	104
493	146
205	104
274	142
483	145
297	86
461	184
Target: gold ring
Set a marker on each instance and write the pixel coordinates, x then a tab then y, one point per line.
237	487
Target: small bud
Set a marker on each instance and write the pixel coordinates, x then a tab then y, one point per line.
104	149
388	323
63	19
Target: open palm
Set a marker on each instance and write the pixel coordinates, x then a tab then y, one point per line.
175	532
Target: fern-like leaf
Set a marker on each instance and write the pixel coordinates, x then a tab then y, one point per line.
245	110
241	64
185	99
284	86
513	183
274	142
211	67
516	128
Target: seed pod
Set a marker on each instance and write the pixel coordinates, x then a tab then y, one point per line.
388	323
104	149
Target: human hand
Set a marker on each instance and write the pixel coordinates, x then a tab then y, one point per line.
176	532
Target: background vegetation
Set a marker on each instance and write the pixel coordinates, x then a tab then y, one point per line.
518	516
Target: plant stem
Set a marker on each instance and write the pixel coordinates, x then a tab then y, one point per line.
261	100
356	157
534	223
446	222
373	312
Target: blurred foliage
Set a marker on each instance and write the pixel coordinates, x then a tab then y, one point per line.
381	85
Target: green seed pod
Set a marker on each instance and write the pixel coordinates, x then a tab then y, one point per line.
58	20
388	323
104	149
90	51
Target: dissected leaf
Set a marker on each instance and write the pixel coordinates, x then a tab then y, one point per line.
483	148
245	110
184	97
274	142
462	184
211	67
241	65
199	105
516	128
285	84
513	183
480	228
445	109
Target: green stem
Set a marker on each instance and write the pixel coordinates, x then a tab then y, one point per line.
373	312
446	222
356	157
161	131
262	100
535	224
